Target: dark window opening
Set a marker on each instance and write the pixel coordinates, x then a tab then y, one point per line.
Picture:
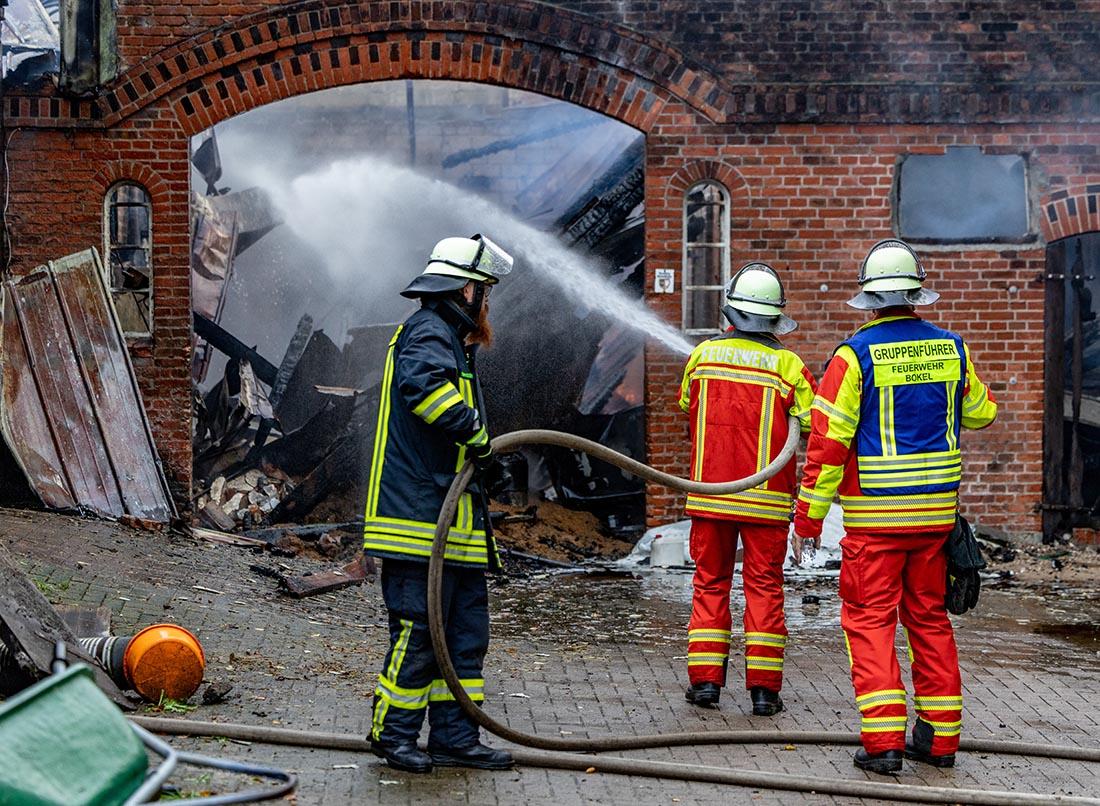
128	249
963	195
706	256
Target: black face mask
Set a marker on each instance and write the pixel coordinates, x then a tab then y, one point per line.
473	307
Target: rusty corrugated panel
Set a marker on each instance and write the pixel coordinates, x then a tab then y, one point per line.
71	411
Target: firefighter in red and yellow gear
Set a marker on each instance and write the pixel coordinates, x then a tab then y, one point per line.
739	388
886	426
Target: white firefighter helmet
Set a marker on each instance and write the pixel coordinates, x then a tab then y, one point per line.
891	274
456	261
755	301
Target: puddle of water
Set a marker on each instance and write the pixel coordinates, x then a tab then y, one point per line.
1014	628
647	609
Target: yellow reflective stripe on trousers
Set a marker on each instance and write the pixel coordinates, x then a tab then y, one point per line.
400	647
946	728
883	724
387	692
707	658
765	639
432	407
873	699
722	636
473	686
763	663
947	702
408	698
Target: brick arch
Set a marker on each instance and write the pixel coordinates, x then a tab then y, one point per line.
1066	213
704	170
306	46
112	173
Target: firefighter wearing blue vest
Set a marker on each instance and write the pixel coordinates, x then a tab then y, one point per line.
885	428
430	422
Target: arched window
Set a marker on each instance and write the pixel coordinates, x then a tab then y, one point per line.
706	256
128	251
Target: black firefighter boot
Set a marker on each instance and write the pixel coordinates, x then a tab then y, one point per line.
477	756
704	694
765	702
884	763
919	747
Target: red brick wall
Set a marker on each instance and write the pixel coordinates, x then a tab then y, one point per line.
810	200
742	91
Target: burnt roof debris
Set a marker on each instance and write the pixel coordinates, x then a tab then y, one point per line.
568	368
31	43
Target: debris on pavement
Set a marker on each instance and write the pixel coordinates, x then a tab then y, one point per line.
356	572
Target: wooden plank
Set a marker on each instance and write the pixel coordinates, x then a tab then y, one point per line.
63	396
111	387
1054	334
71	410
354	573
23	420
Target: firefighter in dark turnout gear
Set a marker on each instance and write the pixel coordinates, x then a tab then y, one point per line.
886	423
430	422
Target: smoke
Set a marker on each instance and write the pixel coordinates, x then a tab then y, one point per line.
360	222
376	222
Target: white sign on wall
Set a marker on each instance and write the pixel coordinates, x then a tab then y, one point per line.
664	281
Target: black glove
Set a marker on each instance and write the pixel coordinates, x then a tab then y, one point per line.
481	455
963	587
964	561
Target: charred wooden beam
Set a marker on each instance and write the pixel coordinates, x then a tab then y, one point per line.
233	347
354	573
337	468
308	530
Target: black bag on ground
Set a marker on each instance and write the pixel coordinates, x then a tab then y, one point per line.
964	560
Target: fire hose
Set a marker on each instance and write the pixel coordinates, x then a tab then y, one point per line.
554	753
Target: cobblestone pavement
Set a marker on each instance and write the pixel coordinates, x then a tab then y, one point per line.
585	656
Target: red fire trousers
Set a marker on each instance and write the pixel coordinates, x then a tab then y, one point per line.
884	578
714	548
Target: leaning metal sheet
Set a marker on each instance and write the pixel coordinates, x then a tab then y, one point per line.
71	411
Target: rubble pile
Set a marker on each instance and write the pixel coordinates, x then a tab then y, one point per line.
243	501
551	531
1069	564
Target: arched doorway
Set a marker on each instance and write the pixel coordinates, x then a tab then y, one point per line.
312	213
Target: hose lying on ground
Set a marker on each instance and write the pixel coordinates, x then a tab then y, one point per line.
549	752
756	779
